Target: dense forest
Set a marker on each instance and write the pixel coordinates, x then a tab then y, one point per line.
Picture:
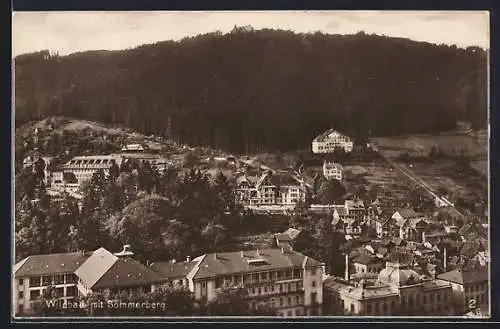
250	91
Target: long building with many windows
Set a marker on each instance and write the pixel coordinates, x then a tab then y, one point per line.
330	141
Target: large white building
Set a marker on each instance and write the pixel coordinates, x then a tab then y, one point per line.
84	167
331	140
284	280
270	189
332	170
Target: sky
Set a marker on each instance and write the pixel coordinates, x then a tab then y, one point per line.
69	32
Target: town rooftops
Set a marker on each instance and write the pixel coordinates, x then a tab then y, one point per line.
330	133
407	213
361	291
49	264
172	270
479	274
366	259
211	265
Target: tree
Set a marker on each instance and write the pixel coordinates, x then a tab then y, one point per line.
232	302
330	191
114	171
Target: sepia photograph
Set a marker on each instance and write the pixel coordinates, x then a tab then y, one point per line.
250	165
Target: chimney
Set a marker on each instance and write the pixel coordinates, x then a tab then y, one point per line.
188	259
346	275
444	258
126	251
282	250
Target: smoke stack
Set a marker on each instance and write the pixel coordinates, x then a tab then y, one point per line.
444	259
188	259
346	275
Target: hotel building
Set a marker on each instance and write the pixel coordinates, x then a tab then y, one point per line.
331	140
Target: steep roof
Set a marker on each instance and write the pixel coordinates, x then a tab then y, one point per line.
327	134
479	274
49	264
127	272
249	261
406	213
173	270
96	266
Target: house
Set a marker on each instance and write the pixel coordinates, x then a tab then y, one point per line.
355	208
279	188
134	148
397	290
470	287
367	264
332	170
285	280
175	273
78	274
84	167
404	223
331	140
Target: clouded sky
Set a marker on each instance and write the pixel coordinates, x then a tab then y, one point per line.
68	32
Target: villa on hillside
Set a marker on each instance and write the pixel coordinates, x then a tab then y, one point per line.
280	188
332	170
331	140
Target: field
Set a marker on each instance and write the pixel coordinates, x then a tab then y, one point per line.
470	145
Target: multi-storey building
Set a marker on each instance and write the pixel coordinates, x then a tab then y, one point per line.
29	161
470	287
84	167
404	223
332	170
399	290
331	140
283	279
78	274
36	273
270	189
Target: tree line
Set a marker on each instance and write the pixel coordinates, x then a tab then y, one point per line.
250	91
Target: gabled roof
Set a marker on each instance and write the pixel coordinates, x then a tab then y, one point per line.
49	264
479	274
227	263
292	233
127	272
354	204
91	271
406	213
327	134
366	259
173	270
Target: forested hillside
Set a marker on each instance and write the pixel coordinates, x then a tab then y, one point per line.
251	91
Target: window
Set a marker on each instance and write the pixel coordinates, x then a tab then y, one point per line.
34	294
21	294
21	282
314	298
289	300
368	308
259	291
71	278
297	299
281	301
297	312
203	284
314	284
290	313
265	289
35	281
281	288
71	291
58	279
253	290
438	297
352	308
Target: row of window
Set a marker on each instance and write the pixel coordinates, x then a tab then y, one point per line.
476	287
259	277
48	280
281	288
71	291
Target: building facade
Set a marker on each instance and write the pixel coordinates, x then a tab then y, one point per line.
330	141
470	287
282	279
332	170
398	291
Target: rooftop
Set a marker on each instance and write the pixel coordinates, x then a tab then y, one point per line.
466	277
216	264
173	270
49	264
330	133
